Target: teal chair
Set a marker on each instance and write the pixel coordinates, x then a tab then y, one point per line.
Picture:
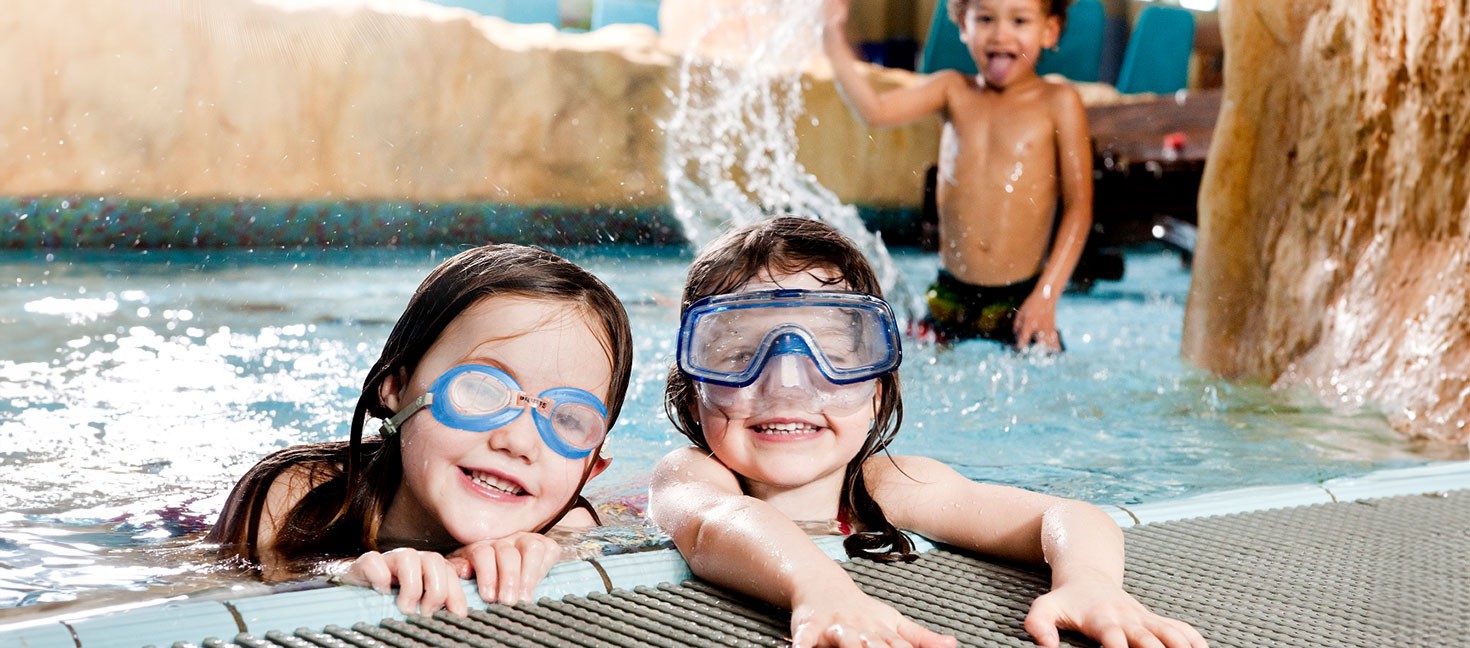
638	12
1157	56
943	49
517	11
1078	55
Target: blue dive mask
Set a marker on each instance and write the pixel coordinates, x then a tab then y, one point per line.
727	342
479	398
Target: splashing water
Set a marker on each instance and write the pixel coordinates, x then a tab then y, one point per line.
731	156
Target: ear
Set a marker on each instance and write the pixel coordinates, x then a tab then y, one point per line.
1053	33
599	464
391	388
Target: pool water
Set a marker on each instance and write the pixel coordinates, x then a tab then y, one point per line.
136	387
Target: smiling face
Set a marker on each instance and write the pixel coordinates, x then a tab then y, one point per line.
1006	38
789	441
460	486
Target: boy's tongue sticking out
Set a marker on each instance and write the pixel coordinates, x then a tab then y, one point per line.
997	66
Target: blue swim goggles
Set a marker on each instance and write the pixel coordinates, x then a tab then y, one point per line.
727	340
479	398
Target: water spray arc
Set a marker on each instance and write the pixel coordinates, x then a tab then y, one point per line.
731	139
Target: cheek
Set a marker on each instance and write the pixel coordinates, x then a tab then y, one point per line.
715	425
559	477
423	446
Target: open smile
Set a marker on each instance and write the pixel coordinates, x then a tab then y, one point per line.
493	484
786	430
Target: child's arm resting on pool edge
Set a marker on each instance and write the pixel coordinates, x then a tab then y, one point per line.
747	545
507	569
1081	544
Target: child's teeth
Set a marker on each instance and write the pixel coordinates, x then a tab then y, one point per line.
490	481
786	428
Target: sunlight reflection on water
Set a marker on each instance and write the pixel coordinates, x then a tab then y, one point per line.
124	427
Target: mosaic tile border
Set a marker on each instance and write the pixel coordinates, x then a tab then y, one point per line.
52	222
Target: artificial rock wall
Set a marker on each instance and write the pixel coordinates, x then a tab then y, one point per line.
1335	212
360	99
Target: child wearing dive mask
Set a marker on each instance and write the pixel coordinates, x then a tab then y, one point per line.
786	382
495	389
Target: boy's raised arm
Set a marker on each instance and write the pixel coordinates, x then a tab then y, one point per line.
747	545
897	106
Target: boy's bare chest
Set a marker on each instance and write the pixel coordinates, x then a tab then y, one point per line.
1006	127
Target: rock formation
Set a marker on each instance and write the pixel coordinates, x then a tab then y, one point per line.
1335	212
350	99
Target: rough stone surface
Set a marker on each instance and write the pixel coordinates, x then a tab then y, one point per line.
393	99
1335	212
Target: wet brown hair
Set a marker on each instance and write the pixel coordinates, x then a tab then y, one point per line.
788	245
1058	8
353	481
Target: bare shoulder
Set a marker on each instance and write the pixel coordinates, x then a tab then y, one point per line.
903	472
687	485
576	519
949	77
692	464
1062	98
953	83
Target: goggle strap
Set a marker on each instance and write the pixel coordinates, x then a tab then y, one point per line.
390	426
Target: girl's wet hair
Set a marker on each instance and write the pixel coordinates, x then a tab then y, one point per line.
782	246
1058	8
353	481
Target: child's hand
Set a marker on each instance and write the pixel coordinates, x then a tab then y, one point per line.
426	580
1106	613
1036	323
849	617
834	16
508	569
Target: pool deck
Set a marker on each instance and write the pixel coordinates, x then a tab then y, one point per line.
1377	560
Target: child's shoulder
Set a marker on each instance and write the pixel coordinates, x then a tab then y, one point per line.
907	470
692	464
1060	93
683	456
953	81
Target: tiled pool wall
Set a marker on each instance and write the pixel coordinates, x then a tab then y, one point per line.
314	604
54	222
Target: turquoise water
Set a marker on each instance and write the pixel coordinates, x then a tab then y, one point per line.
135	387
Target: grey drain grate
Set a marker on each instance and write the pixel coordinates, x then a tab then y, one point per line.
1393	571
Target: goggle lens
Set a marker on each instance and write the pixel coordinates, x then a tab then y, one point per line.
579	425
476	394
728	339
479	398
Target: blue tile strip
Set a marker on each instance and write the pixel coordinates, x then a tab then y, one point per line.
129	223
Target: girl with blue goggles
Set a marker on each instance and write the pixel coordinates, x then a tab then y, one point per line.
847	339
479	398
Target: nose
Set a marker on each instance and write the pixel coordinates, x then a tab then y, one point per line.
788	375
518	438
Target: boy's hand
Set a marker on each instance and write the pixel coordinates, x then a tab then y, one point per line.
1103	611
849	617
1036	322
834	16
426	580
508	569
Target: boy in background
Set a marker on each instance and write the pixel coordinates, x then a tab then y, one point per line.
1013	145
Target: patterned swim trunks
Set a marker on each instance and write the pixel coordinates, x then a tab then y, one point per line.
961	311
